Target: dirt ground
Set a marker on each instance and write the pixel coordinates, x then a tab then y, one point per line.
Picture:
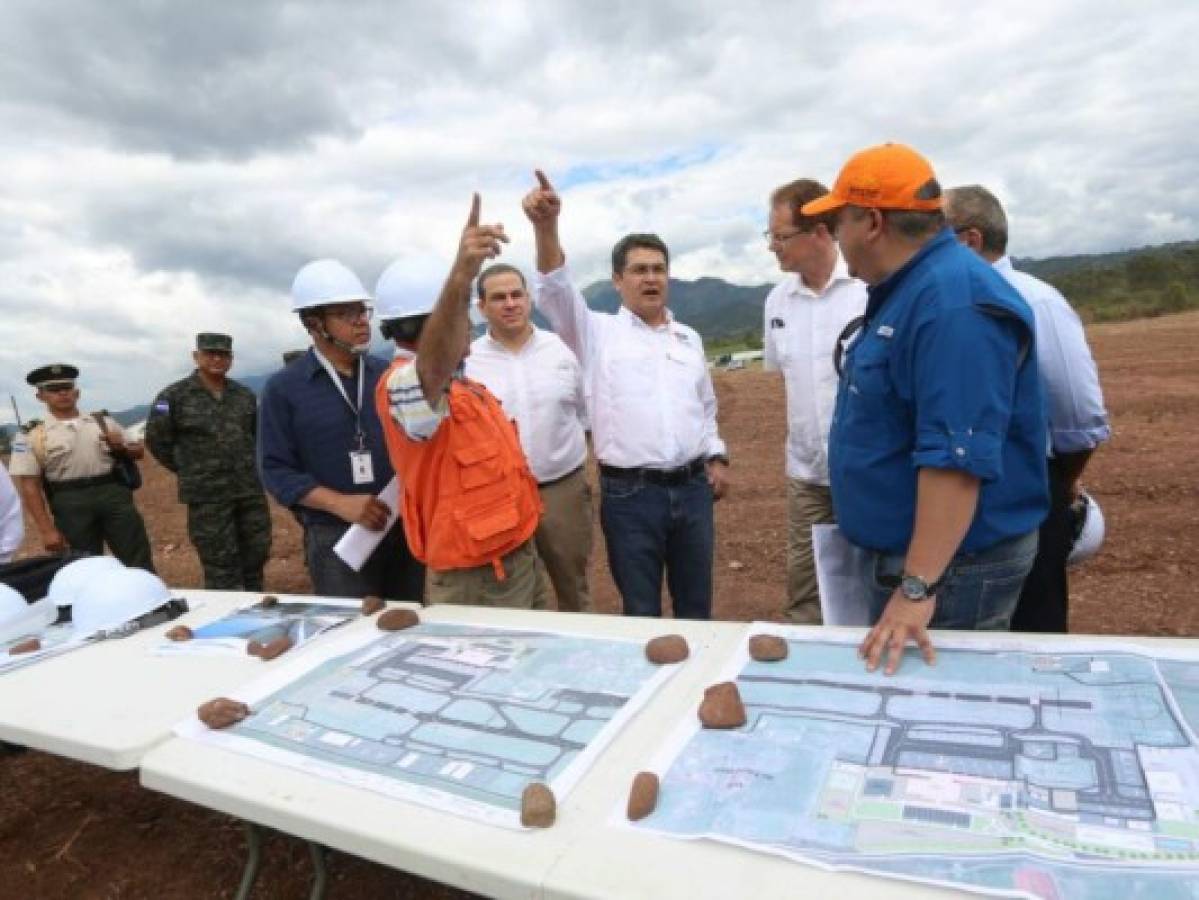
71	830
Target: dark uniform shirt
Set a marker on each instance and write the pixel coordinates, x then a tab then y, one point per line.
207	441
308	431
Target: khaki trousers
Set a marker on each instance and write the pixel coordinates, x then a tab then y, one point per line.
523	587
807	505
563	539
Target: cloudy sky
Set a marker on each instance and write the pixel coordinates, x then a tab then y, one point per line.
167	166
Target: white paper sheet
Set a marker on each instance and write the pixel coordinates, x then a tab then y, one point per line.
358	543
840	570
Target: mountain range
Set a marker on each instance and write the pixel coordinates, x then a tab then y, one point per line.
726	313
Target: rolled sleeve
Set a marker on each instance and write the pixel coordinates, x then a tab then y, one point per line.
408	407
964	365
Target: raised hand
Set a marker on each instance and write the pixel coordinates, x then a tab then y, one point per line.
542	204
479	242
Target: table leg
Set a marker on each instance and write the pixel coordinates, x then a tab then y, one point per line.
253	858
319	872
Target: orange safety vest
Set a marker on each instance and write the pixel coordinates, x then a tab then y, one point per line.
468	495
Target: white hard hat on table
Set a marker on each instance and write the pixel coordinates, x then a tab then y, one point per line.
72	578
325	281
20	619
117	598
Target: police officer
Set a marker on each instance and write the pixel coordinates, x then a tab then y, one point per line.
203	429
64	469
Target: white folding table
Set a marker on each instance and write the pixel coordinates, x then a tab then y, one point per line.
493	861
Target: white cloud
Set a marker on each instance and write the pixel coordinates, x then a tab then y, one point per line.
168	167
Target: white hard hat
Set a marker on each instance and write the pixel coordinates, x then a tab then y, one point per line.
73	577
409	287
325	281
19	619
117	598
1088	530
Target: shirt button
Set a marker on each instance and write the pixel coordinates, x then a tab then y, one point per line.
960	451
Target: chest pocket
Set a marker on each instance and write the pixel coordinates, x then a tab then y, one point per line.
870	374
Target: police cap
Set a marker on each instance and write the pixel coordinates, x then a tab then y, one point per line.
55	373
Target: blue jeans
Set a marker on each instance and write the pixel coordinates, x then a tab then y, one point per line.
979	590
649	527
391	572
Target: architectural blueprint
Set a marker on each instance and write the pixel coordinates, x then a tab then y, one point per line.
459	717
299	621
1061	771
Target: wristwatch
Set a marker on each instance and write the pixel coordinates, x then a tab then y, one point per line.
915	588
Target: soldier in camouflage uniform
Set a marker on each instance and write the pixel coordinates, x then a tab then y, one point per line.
203	429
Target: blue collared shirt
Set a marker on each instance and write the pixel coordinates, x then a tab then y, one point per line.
1073	399
306	432
943	375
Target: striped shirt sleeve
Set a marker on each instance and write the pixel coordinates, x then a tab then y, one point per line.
409	409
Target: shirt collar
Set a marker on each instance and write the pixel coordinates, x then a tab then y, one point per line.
840	273
495	345
878	293
637	320
1003	264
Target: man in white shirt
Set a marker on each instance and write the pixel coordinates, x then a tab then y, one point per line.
804	316
12	526
653	417
1078	421
540	383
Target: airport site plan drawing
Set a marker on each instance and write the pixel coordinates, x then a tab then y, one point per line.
455	716
1056	772
299	621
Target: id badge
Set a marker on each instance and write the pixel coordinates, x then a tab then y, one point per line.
361	467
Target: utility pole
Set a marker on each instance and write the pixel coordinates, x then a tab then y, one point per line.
16	412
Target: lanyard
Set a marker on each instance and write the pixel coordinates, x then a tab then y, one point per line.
335	377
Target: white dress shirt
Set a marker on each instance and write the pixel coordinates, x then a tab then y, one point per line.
541	387
801	330
1073	398
12	527
650	397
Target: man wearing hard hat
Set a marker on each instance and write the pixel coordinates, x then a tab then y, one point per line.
1078	421
203	429
66	471
470	503
320	445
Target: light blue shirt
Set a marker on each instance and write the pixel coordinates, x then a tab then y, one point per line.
1073	399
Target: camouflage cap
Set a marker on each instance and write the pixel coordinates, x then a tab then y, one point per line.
210	340
55	373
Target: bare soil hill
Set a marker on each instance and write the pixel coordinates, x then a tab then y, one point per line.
70	830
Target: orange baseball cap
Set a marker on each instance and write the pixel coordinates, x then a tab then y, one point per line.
889	176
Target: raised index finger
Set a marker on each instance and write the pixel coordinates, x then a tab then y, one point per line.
476	204
542	180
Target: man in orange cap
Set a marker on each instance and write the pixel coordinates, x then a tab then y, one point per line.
937	448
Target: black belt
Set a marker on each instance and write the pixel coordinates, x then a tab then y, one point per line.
74	484
667	477
575	471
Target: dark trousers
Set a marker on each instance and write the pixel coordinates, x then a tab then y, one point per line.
391	572
233	540
648	527
1044	603
90	517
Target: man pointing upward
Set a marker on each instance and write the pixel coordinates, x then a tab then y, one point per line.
653	416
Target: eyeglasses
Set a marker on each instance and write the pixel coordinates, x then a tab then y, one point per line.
351	314
775	238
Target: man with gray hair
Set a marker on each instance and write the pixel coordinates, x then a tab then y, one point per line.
1078	421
